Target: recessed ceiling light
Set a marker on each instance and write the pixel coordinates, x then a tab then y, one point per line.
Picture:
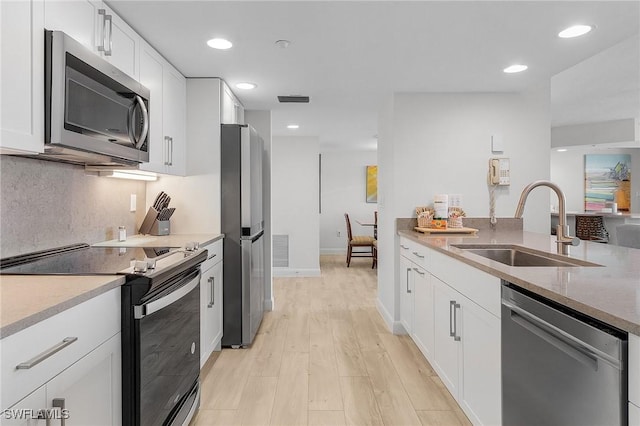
515	68
561	149
575	31
293	126
283	44
246	86
219	43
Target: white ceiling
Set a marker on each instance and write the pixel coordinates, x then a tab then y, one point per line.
349	55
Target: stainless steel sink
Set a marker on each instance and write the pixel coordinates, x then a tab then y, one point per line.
521	256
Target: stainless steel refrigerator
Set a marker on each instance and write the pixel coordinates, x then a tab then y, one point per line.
243	228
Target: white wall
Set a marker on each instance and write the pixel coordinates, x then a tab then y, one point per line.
441	143
343	191
567	170
294	202
261	121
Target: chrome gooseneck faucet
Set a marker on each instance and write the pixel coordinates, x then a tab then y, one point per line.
562	231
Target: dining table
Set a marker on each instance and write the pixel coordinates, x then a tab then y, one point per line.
375	227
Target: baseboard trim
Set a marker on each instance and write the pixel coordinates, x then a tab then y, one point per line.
268	305
333	251
293	272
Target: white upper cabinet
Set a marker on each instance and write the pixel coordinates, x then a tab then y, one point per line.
232	111
79	19
22	82
96	26
174	119
167	143
121	43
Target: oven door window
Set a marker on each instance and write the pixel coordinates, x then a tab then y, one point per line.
169	357
100	107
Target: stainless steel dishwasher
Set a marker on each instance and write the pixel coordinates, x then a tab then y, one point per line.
559	367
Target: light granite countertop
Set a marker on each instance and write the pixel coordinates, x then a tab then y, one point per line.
28	299
610	293
173	240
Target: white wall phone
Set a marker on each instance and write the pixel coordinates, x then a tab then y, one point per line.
499	171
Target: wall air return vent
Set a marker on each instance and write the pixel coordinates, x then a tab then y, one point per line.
294	99
280	251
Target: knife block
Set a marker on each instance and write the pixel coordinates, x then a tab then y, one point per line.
148	221
160	227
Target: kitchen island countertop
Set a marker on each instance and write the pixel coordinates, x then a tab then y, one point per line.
610	293
29	299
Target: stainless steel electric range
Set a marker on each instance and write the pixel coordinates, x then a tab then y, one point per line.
160	322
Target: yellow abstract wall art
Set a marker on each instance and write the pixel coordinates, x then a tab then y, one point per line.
372	184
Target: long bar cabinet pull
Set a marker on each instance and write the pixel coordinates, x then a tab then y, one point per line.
46	354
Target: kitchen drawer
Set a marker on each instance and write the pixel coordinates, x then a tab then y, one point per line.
634	369
482	288
415	252
214	254
91	322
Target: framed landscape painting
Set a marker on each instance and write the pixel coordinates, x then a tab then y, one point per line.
607	179
372	184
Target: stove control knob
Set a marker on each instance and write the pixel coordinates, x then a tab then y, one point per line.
192	246
140	266
151	263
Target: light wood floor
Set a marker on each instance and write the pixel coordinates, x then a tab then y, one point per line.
325	357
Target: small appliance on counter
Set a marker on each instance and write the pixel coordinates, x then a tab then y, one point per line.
156	222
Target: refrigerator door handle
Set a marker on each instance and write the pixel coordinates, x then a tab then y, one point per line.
252	237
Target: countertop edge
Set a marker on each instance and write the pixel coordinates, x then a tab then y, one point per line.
21	324
589	310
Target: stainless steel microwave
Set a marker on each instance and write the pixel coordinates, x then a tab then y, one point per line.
94	113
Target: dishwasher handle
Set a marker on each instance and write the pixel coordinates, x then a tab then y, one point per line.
572	346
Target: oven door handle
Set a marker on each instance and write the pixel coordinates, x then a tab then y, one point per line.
140	311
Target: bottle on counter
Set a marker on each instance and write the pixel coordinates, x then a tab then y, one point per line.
122	233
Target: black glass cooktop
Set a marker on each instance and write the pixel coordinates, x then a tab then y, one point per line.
81	259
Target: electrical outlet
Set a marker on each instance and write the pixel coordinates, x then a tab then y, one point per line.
132	203
337	233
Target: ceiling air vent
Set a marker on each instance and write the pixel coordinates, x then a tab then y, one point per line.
294	99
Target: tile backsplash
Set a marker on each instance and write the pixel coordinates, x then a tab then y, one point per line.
45	204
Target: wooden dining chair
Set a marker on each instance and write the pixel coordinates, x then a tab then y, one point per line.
375	254
359	241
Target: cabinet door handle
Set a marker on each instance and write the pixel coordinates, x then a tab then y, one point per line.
60	403
455	321
103	13
166	151
103	46
46	354
109	51
418	271
212	299
171	151
418	255
452	332
404	247
408	289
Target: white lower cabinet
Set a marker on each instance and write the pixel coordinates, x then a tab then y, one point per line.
447	335
452	319
481	385
423	317
69	365
86	393
26	411
406	294
90	391
211	302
